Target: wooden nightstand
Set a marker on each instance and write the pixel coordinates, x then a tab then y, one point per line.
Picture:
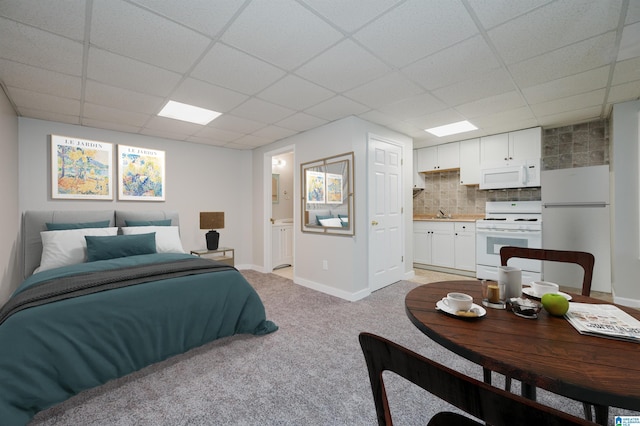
222	254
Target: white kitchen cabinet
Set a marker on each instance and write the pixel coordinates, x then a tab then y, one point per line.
439	157
418	178
446	244
470	162
465	245
506	147
433	243
282	245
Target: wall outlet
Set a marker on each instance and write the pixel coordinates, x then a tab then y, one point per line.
325	265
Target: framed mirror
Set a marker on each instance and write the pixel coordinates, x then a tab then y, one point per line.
327	195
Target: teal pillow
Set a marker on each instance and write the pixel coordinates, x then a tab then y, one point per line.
163	222
344	220
66	226
319	218
114	246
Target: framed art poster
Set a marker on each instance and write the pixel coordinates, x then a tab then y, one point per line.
141	174
334	188
315	187
81	169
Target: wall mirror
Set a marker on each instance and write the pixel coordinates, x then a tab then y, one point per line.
327	195
275	188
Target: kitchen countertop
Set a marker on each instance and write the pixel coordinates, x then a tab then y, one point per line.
453	218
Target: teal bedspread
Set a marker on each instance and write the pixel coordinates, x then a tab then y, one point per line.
51	352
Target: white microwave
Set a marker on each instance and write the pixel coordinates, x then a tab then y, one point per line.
517	174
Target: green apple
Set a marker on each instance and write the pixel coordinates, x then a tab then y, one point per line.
555	304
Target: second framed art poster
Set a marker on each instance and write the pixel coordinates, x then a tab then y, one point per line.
141	174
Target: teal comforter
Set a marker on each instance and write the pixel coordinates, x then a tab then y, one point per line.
51	352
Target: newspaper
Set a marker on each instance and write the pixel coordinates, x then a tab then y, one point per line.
603	321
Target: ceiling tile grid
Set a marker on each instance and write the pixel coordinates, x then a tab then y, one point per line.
275	68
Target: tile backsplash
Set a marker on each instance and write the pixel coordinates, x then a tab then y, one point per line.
579	145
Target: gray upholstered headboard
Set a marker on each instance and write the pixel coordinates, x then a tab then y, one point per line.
34	222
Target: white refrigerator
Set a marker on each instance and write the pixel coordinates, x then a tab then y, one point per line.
575	216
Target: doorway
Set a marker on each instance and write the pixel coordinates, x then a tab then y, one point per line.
386	230
279	220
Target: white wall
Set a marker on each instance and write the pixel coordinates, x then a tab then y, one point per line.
626	197
198	178
347	257
9	214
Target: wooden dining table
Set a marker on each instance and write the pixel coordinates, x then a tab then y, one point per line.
546	352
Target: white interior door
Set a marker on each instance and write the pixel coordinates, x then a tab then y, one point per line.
385	213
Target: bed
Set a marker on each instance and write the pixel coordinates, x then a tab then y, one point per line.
127	304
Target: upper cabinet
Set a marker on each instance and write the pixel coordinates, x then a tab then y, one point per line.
418	178
439	158
505	147
470	162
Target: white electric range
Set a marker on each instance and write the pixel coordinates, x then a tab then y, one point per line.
508	223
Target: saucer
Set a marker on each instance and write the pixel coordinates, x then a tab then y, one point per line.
529	292
447	310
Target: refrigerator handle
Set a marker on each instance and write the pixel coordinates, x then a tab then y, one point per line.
577	204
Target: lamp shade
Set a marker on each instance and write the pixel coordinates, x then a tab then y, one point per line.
211	220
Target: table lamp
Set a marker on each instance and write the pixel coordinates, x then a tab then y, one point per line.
212	221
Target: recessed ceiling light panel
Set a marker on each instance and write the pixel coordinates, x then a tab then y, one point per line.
452	129
186	112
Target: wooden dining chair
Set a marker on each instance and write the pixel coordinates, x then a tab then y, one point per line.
584	259
492	405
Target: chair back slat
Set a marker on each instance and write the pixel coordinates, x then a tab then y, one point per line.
584	259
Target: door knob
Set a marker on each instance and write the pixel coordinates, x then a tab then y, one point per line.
374	223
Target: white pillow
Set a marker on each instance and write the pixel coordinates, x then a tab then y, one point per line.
333	222
167	237
67	247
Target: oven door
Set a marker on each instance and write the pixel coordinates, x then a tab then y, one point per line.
489	242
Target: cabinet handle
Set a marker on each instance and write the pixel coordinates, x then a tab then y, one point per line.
374	223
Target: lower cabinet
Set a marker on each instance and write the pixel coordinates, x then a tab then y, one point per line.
282	245
447	244
465	246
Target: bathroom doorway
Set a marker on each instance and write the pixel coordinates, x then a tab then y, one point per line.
279	209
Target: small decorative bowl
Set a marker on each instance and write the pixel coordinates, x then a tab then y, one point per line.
525	308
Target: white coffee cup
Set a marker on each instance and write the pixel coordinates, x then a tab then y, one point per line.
458	301
511	277
540	288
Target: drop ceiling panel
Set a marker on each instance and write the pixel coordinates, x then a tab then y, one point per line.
262	111
281	32
49	115
492	104
621	92
118	71
31	46
351	15
388	89
205	16
626	71
496	12
124	99
489	84
343	67
25	98
457	63
580	57
62	18
217	134
115	115
295	93
570	103
567	86
133	32
301	122
400	36
336	107
416	106
231	68
237	124
564	23
205	95
40	80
